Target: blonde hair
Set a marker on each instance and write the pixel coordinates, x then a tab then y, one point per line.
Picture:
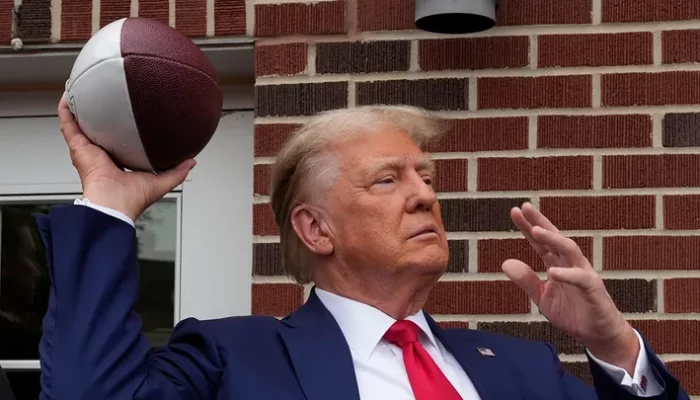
304	170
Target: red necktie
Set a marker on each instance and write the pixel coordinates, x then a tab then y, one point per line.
427	381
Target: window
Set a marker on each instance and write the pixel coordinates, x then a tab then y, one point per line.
24	283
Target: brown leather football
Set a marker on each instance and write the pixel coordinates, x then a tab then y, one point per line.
145	93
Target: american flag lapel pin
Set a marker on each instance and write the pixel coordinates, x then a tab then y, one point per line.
485	352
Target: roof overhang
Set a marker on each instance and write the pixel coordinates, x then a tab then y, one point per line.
49	65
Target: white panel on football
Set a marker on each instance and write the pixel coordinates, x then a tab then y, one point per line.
105	46
101	92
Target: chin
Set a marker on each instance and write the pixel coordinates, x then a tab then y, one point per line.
431	260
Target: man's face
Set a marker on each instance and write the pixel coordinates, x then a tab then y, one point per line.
384	211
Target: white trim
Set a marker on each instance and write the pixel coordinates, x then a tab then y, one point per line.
20	365
217	224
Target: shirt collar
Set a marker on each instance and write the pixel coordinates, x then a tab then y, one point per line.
363	325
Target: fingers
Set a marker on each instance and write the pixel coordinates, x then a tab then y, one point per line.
526	228
523	276
573	276
562	245
169	180
70	129
536	218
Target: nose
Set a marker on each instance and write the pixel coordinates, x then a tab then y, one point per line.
421	196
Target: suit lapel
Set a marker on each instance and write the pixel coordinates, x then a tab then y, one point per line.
319	353
492	376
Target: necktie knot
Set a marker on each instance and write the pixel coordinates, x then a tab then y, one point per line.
402	333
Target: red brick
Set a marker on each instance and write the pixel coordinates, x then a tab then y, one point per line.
385	15
651	252
261	179
680	46
286	19
155	9
191	17
474	53
276	299
682	295
76	20
682	212
595	50
542	173
229	17
6	16
112	10
670	336
477	297
451	175
483	134
594	131
454	324
650	89
535	92
269	138
644	171
599	212
649	10
547	12
281	59
492	252
688	373
264	220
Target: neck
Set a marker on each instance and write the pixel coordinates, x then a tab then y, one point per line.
397	298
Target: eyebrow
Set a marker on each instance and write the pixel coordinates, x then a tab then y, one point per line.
423	163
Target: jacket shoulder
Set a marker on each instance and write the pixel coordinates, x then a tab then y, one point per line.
229	330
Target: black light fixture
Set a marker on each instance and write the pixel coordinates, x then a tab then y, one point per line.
455	16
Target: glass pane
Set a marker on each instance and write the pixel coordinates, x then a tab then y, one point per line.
24	283
25	384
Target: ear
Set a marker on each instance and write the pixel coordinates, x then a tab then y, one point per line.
311	230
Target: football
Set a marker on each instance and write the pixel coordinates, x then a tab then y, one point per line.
145	93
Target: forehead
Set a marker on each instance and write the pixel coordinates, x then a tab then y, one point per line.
383	146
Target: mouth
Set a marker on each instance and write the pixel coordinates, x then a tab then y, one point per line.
429	230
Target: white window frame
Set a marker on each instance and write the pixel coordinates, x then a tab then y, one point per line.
215	224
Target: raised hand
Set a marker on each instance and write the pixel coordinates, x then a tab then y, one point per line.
106	185
573	298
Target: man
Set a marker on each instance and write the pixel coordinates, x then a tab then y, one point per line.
353	197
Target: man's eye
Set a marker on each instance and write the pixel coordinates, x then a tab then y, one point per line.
386	180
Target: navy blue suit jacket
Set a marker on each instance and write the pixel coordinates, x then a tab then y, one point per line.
93	348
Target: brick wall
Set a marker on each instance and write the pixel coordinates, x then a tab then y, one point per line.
588	108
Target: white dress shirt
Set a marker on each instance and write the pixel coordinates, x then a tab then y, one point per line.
379	365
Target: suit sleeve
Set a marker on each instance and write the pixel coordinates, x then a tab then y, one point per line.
605	387
92	345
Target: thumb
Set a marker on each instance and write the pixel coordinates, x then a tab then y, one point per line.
170	179
523	276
